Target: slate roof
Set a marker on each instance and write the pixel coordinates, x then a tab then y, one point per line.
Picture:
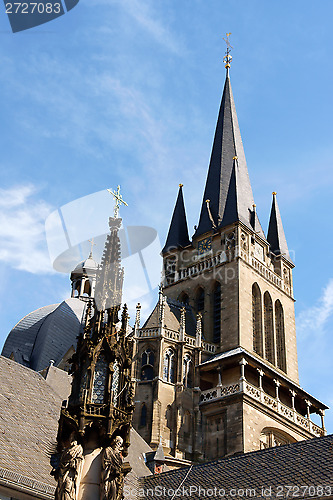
45	334
275	235
227	144
307	463
178	231
29	413
172	317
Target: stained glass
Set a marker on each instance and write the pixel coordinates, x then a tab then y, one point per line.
99	380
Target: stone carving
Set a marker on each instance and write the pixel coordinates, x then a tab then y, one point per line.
112	474
69	472
244	241
286	276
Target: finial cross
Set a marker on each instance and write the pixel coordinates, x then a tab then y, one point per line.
118	200
91	246
227	58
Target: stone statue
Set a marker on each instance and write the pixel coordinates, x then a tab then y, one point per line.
112	476
69	472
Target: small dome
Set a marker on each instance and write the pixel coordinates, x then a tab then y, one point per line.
86	267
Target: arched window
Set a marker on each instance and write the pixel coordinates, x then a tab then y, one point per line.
217	313
147	365
183	298
269	332
200	300
99	380
169	366
280	337
257	320
187	371
87	289
143	415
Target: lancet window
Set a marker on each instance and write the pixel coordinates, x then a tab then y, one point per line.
169	366
147	365
217	313
99	380
280	336
269	329
257	320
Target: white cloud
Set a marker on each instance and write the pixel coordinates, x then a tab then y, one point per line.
23	244
315	318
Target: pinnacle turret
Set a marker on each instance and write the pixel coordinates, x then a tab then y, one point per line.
178	231
275	236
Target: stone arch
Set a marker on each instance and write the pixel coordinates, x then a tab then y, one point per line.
184	298
169	365
280	337
257	320
271	436
147	364
269	329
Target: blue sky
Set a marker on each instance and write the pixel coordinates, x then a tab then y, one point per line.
127	92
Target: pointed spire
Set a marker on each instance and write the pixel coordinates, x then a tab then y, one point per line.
178	231
227	144
275	236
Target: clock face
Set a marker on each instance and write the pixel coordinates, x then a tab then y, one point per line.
204	246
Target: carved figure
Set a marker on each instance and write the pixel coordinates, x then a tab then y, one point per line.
112	476
69	472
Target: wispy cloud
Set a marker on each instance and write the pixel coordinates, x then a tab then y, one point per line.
22	236
315	318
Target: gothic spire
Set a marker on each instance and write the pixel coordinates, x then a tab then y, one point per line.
275	236
227	144
178	231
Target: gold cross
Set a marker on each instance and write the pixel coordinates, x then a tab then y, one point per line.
118	199
227	58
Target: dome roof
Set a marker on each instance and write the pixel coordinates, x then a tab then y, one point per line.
86	267
45	334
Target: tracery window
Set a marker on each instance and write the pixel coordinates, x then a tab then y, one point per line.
280	337
187	371
183	298
115	383
99	380
147	365
269	332
217	313
169	366
257	320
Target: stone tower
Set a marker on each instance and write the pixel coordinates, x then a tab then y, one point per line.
236	285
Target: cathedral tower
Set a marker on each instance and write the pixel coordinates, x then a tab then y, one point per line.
246	392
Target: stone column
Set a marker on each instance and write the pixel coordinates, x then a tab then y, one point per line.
242	379
261	373
91	473
277	385
219	375
322	415
308	404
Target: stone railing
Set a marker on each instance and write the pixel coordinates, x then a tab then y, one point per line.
284	410
270	276
173	335
259	395
200	266
211	348
219	392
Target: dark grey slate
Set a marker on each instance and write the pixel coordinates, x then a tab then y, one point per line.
227	144
275	235
178	231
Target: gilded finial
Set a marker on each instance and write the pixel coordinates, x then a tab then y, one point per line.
181	185
235	157
274	193
227	58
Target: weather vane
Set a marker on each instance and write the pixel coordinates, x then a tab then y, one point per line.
228	57
118	200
